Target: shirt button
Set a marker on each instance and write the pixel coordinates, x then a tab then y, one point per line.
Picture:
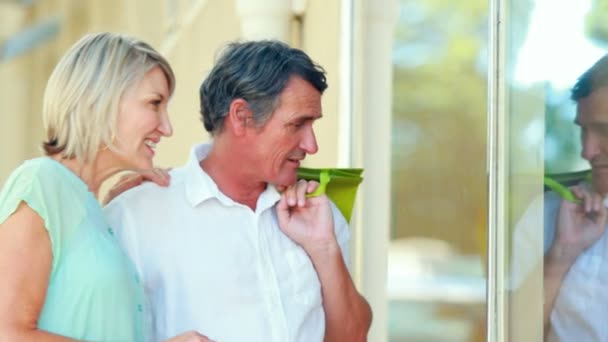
139	308
110	231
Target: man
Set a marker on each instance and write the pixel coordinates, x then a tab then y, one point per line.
576	246
219	250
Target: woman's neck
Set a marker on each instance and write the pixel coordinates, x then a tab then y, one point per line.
93	173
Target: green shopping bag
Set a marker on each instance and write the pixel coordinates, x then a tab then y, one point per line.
340	185
559	182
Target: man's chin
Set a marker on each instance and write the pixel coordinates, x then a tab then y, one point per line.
599	170
286	181
599	174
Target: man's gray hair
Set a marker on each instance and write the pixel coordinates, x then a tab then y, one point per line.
257	72
591	80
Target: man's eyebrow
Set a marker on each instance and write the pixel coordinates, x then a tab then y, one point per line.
596	124
308	117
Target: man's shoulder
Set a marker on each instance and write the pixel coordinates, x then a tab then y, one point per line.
542	202
337	214
551	203
552	197
341	227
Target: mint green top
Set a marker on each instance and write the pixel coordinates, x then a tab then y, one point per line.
93	292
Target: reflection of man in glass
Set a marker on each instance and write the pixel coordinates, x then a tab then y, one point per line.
576	246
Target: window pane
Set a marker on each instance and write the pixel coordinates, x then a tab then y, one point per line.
436	280
550	44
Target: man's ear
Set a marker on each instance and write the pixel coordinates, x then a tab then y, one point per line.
239	116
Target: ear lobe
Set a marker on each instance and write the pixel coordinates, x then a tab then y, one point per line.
238	116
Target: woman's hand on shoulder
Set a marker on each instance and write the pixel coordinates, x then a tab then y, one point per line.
130	180
190	336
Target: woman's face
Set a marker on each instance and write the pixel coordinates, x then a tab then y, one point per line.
142	120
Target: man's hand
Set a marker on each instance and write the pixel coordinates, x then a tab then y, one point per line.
157	175
578	225
307	221
190	336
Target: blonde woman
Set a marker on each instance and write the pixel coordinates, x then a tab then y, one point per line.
63	274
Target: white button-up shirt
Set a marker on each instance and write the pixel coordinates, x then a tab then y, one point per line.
213	265
580	308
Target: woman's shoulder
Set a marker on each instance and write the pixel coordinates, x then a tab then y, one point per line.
41	179
49	173
23	185
25	174
44	167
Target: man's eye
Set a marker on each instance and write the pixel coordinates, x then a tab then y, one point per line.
299	124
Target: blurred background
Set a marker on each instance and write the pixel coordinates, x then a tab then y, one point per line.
408	101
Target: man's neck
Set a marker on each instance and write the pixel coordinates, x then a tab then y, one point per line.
230	174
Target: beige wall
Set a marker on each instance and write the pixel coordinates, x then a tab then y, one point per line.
321	39
14	115
191	53
189	33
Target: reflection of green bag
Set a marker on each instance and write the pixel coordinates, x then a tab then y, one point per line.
559	182
340	185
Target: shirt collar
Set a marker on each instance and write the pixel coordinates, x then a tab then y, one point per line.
199	186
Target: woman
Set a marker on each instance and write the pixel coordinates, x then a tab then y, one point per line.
63	275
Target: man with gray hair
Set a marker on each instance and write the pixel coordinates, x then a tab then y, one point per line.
220	250
573	258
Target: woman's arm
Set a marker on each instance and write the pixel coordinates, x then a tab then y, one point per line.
25	264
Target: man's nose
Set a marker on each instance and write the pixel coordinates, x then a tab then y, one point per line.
309	142
591	146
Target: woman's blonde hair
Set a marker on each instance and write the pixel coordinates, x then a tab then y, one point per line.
83	93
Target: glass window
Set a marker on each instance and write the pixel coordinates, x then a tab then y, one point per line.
436	281
554	281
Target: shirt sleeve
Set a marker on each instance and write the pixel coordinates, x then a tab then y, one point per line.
44	192
19	188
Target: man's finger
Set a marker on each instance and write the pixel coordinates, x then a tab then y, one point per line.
583	193
282	209
290	195
602	216
312	186
301	188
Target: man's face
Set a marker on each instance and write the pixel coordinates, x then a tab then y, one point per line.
287	137
592	117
